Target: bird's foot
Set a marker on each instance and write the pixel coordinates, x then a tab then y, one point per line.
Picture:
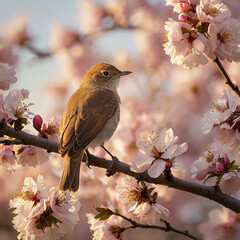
112	168
86	156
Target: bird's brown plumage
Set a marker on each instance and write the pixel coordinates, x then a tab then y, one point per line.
86	116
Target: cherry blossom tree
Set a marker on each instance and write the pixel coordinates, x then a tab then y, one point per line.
177	173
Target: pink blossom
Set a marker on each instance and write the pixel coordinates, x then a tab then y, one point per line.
228	141
91	15
135	200
215	160
222	224
182	5
65	207
206	163
8	158
221	110
230	183
74	61
52	129
62	37
156	150
41	213
3	115
105	229
7	54
121	11
29	155
225	36
30	200
186	47
7	76
212	10
16	30
15	106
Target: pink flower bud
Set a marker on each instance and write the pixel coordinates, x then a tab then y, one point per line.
219	167
168	165
44	127
183	17
37	121
201	175
185	7
226	161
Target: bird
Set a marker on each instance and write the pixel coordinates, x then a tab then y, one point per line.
90	118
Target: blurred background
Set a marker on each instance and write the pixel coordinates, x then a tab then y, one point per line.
51	44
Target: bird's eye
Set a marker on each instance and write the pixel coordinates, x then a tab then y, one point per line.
105	73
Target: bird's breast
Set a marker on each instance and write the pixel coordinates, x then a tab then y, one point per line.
106	133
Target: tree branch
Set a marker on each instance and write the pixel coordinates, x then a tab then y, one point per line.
210	192
168	227
26	138
225	75
82	37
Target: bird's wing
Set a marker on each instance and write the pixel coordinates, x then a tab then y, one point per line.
88	119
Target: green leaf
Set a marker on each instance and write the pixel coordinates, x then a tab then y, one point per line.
200	29
104	213
102	216
234	167
219	179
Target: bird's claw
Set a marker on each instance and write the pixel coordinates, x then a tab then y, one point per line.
112	168
87	160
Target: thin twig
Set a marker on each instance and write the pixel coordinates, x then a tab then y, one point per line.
168	227
225	75
208	192
11	141
152	201
82	37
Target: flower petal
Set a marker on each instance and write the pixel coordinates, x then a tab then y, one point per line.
156	169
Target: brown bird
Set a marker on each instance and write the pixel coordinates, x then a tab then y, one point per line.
89	119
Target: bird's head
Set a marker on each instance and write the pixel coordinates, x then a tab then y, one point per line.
104	74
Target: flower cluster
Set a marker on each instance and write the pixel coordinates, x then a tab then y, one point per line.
14	109
16	31
8	158
224	114
214	162
50	130
222	224
136	200
158	152
221	159
7	76
205	29
109	229
43	213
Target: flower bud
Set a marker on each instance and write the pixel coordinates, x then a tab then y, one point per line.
168	165
183	17
226	161
219	167
44	127
37	122
185	7
201	175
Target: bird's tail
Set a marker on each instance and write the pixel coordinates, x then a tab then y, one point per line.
70	174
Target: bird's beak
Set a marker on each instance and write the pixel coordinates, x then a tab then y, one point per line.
124	73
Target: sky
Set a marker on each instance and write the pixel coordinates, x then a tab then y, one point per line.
31	72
